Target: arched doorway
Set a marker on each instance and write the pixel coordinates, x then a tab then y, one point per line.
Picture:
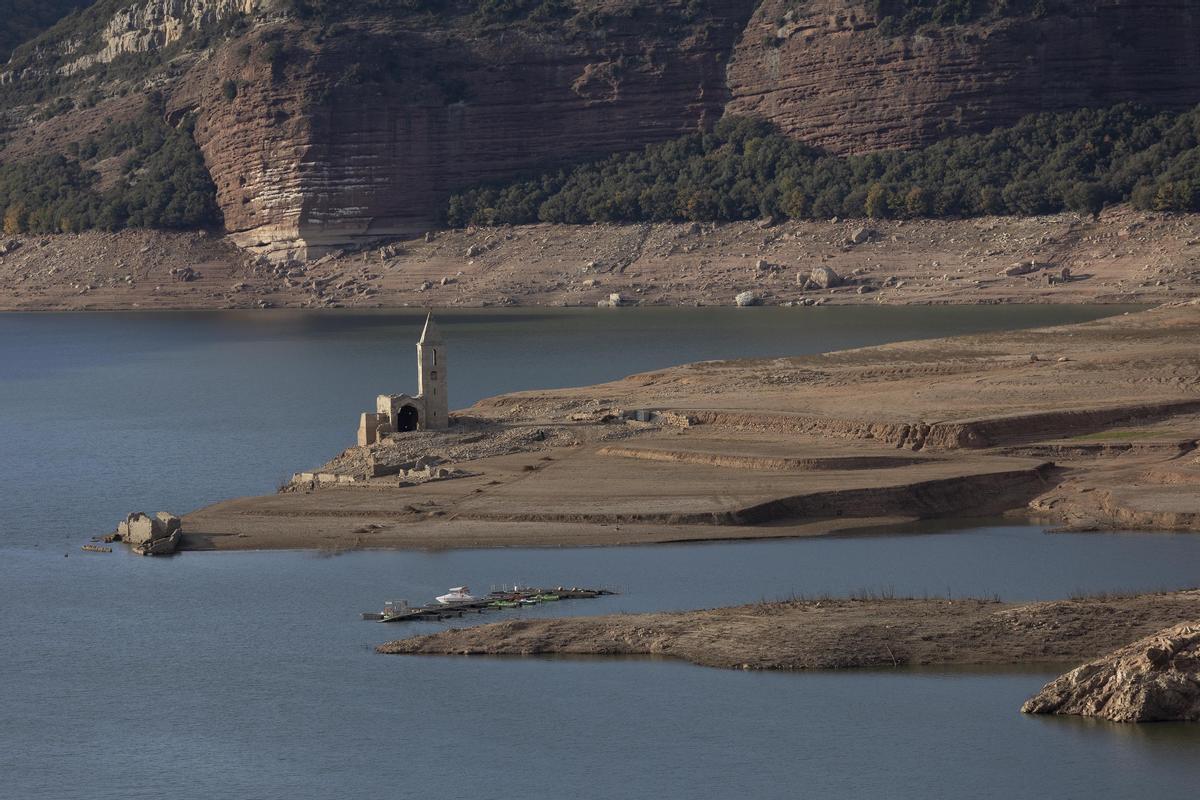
406	419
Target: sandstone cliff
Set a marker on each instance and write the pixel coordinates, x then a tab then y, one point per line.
1156	679
823	72
321	135
365	134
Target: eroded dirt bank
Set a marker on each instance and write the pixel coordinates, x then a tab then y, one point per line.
835	633
1124	257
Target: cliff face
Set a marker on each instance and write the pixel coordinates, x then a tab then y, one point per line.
155	24
322	135
824	73
114	28
366	134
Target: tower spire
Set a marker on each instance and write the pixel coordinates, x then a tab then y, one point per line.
430	334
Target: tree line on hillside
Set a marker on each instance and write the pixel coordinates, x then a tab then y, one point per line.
162	183
745	169
907	16
22	20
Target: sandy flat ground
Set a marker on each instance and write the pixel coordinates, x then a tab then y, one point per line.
1090	426
1124	257
836	633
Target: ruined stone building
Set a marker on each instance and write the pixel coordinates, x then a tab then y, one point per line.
429	410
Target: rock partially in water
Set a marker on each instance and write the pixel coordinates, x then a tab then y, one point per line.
151	536
748	299
1156	679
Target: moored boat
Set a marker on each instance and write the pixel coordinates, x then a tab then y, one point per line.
457	594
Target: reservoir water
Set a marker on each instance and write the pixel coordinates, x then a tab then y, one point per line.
249	675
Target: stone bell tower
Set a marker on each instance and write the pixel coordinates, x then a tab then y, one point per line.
431	369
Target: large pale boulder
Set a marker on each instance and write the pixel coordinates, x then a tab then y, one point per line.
824	278
748	299
863	235
1156	679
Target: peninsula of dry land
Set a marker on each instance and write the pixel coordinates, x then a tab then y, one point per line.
836	633
1091	426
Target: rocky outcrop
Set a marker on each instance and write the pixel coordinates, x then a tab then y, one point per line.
1156	679
321	136
154	24
824	73
151	536
366	134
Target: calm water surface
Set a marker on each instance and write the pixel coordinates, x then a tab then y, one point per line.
103	413
249	675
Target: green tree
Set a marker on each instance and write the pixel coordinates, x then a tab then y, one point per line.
877	201
15	219
1086	197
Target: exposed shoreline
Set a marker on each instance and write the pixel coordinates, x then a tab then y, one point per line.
1088	426
833	633
1125	257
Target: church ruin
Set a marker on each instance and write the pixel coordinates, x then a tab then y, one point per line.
429	410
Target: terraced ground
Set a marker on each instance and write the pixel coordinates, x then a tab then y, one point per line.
1089	426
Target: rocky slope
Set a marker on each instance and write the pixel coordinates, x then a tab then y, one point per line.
1156	679
823	72
1126	257
364	135
323	134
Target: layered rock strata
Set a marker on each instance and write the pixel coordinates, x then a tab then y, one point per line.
825	73
1156	679
323	135
365	135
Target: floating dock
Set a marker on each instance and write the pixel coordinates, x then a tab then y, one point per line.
496	600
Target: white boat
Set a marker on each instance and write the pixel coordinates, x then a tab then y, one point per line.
457	594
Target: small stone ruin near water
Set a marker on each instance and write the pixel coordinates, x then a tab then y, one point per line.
159	535
428	410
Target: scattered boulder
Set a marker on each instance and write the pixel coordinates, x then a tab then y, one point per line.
615	300
1156	679
748	299
150	536
824	278
1023	268
430	236
185	274
9	246
863	235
